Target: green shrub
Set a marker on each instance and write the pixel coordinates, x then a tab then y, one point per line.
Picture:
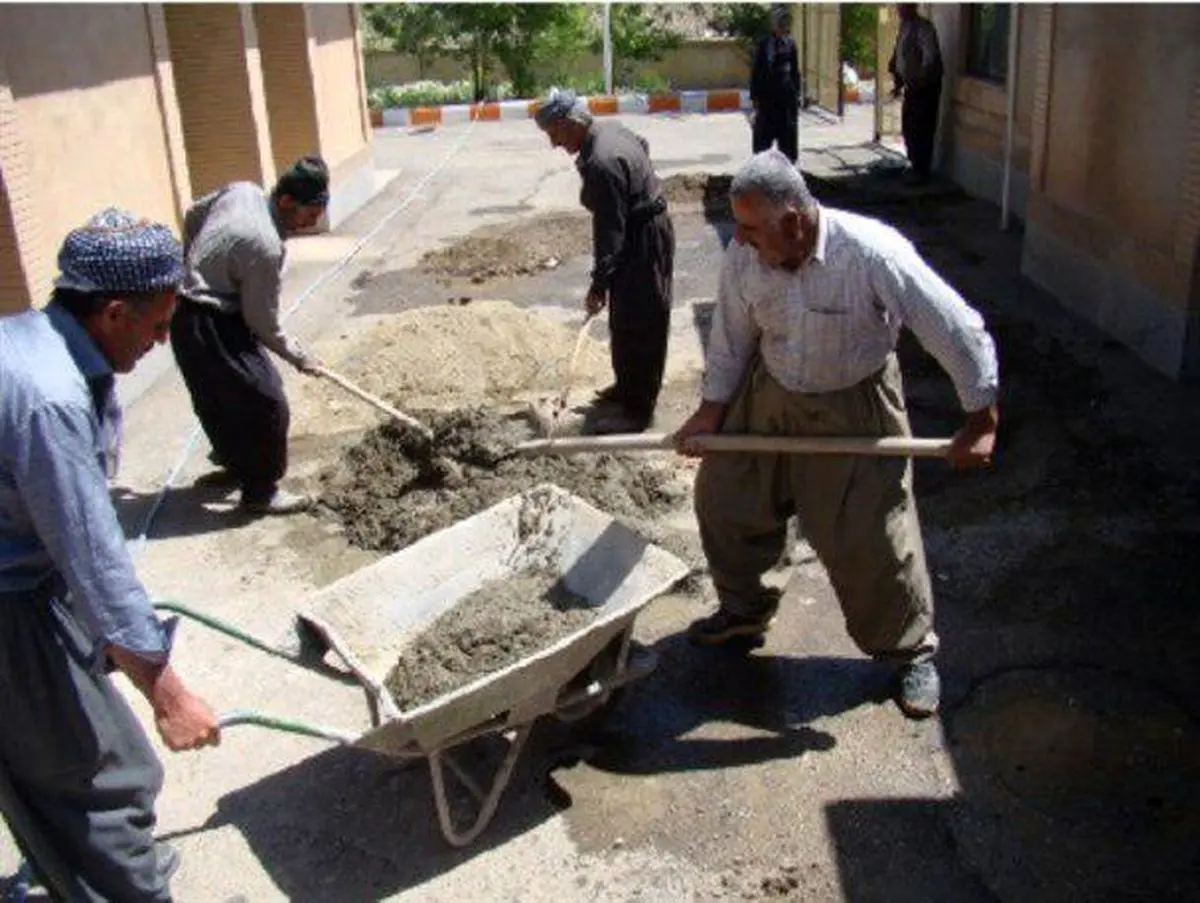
431	94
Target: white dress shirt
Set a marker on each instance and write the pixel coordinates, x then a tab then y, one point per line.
834	321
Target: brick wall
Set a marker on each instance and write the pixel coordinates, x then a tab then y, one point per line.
288	80
218	81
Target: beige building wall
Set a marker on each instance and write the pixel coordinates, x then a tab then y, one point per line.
340	101
975	111
288	81
219	86
1114	209
84	127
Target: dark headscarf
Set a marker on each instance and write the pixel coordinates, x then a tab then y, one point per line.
307	182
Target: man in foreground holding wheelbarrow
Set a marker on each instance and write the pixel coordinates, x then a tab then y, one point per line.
228	318
78	777
633	242
809	310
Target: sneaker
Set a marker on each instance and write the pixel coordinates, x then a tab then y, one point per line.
281	502
920	689
723	626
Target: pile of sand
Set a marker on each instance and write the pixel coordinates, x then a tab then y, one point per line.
385	499
474	353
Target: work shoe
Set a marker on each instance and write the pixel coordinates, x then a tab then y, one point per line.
280	502
723	626
920	689
612	393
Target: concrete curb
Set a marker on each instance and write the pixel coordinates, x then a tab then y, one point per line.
600	105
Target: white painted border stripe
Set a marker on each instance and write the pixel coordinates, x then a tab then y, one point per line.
632	103
693	101
514	109
456	113
395	116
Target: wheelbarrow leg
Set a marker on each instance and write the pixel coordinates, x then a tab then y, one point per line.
487	802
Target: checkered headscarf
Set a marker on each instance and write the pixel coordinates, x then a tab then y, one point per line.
114	251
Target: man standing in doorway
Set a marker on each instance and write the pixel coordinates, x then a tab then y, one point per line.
228	317
775	88
78	776
633	248
916	68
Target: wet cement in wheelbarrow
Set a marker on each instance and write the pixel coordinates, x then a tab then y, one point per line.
386	496
496	626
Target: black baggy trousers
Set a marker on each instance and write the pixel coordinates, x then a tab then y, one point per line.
237	395
639	314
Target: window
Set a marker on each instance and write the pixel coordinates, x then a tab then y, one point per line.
987	40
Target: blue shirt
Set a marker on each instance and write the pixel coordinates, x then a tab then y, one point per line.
56	516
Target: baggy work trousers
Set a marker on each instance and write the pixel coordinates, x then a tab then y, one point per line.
639	313
918	122
777	122
78	776
858	512
237	395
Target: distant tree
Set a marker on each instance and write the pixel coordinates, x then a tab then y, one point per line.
415	29
860	23
746	23
638	35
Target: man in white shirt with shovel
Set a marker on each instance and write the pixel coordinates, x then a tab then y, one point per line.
809	310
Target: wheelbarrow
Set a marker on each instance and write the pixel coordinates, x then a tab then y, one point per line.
368	618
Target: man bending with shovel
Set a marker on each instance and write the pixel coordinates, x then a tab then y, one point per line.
633	242
228	318
809	309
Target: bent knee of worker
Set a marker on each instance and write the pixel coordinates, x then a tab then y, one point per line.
887	608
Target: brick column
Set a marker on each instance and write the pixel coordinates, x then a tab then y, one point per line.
168	105
1043	72
219	82
287	67
19	228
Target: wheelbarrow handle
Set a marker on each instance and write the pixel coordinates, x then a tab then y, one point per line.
237	717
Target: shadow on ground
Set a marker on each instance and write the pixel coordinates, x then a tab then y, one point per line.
1066	583
347	825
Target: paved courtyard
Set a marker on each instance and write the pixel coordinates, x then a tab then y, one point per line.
1068	753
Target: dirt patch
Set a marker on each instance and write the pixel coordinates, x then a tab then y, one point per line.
494	627
537	244
472	354
385	500
710	191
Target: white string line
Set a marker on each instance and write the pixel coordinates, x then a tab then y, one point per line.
139	543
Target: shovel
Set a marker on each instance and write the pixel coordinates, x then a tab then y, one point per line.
449	470
887	446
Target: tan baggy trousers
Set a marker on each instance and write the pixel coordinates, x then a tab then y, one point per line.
857	512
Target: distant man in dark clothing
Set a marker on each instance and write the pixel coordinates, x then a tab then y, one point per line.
775	88
916	69
634	253
228	316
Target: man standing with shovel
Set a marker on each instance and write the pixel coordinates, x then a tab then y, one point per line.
228	318
809	310
633	242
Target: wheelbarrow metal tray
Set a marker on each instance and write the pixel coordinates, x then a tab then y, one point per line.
377	611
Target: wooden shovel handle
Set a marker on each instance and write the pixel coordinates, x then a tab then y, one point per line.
888	446
377	403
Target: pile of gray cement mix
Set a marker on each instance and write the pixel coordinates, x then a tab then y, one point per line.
496	626
387	497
